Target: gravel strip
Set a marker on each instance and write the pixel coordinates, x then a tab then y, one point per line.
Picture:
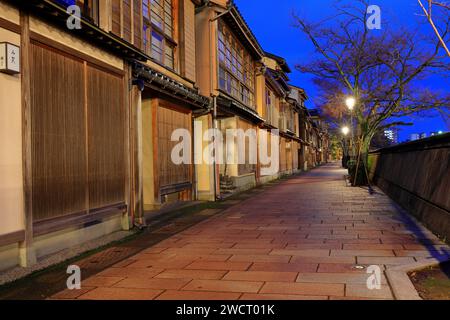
63	255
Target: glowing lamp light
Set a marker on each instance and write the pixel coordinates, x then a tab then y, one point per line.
345	130
350	102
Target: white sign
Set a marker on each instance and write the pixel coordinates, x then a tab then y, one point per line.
9	58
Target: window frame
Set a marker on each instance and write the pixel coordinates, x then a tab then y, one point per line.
150	27
235	64
89	9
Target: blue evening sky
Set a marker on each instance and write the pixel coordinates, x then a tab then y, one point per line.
272	23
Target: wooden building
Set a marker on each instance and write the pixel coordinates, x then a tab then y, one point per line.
86	122
281	113
297	97
66	137
88	115
228	62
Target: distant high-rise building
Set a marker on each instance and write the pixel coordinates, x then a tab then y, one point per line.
391	135
414	136
422	135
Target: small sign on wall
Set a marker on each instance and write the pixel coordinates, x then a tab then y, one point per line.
9	58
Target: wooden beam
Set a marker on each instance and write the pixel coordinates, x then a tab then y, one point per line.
78	219
128	105
36	37
86	128
155	106
27	254
11	26
12	237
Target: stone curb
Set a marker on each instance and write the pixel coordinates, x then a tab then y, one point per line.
401	285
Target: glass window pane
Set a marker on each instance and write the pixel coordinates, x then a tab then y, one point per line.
169	57
157	47
157	13
145	11
145	35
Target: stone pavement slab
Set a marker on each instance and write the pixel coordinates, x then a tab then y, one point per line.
308	237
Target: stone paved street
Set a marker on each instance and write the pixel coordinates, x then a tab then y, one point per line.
300	239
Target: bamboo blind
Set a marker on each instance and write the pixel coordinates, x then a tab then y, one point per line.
169	120
295	150
247	167
58	133
289	158
283	164
106	119
267	149
77	143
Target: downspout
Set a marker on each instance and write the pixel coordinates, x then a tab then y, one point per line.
215	124
215	146
205	4
194	167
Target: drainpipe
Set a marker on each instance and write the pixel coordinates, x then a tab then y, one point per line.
204	5
215	146
215	123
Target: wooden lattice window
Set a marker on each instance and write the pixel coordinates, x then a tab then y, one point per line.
127	20
236	68
89	8
158	31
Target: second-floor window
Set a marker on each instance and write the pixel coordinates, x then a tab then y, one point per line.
89	8
270	105
158	31
236	68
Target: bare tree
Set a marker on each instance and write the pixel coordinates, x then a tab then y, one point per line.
429	14
382	69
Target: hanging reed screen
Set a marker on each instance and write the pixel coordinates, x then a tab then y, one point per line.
59	159
247	167
77	138
283	162
168	121
106	118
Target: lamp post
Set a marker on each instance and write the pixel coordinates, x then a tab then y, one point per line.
345	130
350	102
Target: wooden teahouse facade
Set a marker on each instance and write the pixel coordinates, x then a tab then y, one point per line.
88	117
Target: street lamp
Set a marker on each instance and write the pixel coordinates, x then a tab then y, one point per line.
350	102
345	130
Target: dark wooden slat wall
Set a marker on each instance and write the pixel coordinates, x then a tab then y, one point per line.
168	121
126	19
78	130
58	134
247	167
283	156
106	118
116	17
137	23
